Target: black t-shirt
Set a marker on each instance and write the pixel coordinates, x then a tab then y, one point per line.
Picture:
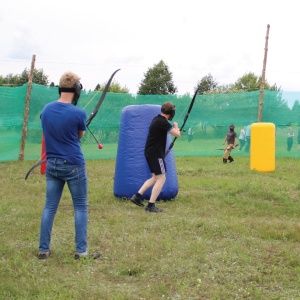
231	136
157	137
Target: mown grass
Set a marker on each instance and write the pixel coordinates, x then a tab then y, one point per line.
231	233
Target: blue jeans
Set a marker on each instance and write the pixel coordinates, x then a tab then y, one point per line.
58	172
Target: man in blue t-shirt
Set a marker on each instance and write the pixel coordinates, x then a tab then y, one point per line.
64	125
155	153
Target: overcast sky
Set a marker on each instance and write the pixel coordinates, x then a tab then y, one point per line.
193	37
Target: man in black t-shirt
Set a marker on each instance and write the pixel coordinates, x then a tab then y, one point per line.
155	153
231	144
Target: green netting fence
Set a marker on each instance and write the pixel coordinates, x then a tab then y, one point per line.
210	117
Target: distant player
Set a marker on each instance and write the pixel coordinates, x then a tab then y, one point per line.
231	144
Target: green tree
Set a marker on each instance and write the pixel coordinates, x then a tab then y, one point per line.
39	77
206	84
10	80
250	82
296	112
158	80
115	87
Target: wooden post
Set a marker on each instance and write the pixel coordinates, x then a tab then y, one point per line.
26	110
262	86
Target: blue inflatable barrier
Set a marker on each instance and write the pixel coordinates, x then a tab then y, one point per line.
131	169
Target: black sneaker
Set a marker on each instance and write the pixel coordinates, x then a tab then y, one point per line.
153	209
43	255
136	200
87	255
230	159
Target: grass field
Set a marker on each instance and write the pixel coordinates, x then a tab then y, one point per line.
231	233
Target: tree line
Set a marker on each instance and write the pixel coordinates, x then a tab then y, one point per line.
157	80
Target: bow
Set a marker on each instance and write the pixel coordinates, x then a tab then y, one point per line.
38	163
88	122
230	148
94	112
184	121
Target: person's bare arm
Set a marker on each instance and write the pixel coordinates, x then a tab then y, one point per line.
234	143
175	130
80	134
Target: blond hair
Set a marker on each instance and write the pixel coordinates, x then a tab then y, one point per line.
68	80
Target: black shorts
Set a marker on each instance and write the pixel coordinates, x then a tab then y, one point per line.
156	165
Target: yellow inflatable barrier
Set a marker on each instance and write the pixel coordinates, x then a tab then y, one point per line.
262	147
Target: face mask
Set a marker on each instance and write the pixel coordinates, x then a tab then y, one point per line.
172	114
76	90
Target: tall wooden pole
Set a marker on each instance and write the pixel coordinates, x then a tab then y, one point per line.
263	76
26	110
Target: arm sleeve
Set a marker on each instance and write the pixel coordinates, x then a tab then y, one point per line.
82	123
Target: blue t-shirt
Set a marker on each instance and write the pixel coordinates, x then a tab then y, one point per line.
61	123
248	131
